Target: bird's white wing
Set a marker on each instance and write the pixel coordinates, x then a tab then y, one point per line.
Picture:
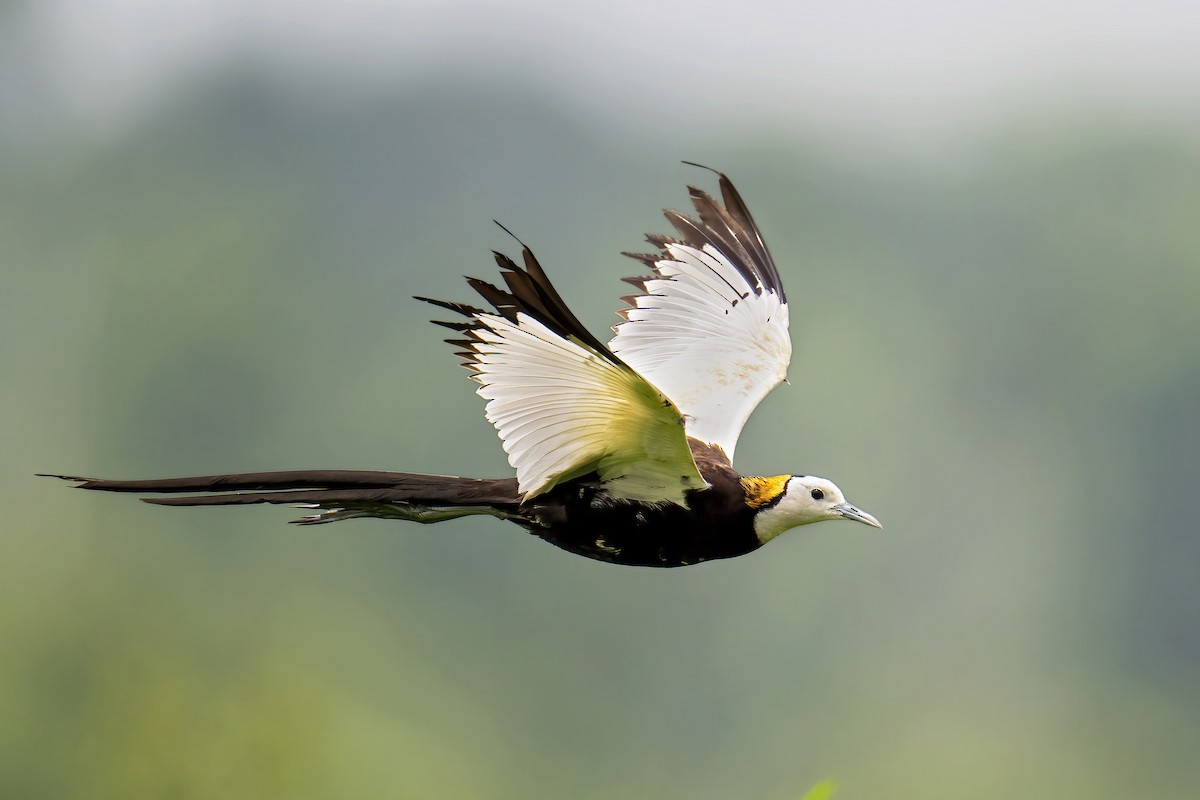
710	327
563	404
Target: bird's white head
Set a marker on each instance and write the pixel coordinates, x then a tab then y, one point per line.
805	499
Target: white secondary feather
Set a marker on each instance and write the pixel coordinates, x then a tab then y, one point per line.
708	339
563	410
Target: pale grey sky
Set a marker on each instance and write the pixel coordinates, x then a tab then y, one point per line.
920	68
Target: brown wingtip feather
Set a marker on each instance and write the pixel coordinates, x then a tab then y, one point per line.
527	290
701	166
729	228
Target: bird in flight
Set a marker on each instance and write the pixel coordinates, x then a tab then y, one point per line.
623	452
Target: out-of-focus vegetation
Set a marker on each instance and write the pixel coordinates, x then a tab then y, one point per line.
822	791
1000	358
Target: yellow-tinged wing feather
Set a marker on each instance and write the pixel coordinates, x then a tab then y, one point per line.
563	411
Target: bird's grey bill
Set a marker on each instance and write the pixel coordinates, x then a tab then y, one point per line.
858	515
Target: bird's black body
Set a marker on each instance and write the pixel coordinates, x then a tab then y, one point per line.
645	535
584	519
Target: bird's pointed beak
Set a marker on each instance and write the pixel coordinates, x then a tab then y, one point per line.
850	512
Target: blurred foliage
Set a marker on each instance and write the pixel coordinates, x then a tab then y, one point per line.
822	791
999	357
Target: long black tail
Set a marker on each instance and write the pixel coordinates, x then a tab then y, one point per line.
341	494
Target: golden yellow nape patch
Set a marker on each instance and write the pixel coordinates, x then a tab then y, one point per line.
761	491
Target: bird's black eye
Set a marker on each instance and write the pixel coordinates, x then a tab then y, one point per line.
817	494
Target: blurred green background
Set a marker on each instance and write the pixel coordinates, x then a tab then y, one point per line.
213	215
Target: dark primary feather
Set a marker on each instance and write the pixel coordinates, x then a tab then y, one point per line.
529	291
729	228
